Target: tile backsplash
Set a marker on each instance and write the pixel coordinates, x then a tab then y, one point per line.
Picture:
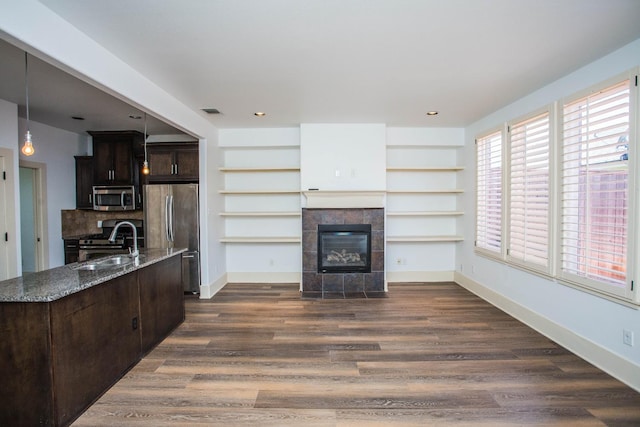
79	222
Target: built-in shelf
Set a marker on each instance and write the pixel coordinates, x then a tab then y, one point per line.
434	191
259	191
256	181
258	214
424	239
259	147
426	169
426	213
423	200
249	239
257	170
425	147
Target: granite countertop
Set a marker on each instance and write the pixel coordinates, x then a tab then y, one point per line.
53	284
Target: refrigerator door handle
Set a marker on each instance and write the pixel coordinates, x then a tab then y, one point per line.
167	215
171	236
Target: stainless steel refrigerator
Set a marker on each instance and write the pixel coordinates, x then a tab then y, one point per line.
171	221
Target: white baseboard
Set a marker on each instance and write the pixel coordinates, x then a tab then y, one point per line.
613	364
208	291
419	276
266	277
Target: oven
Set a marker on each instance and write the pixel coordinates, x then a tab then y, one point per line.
98	245
89	251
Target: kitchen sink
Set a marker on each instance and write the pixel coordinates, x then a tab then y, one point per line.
105	263
117	260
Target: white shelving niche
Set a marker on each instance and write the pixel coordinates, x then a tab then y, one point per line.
422	216
261	194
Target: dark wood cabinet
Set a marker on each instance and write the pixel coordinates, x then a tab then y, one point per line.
174	162
57	358
25	368
113	157
84	182
96	340
161	301
71	250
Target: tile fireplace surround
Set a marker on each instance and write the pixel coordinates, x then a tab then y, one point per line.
342	285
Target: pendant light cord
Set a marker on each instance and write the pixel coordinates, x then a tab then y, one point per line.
26	80
145	137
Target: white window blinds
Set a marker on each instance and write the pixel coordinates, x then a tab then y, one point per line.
594	191
529	192
489	193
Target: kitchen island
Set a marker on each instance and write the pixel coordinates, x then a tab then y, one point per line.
69	333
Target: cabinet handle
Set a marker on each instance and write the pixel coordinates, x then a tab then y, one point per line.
176	169
90	198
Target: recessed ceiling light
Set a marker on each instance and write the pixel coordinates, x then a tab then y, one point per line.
432	113
135	116
260	114
211	110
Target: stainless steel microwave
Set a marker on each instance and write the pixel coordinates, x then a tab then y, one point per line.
114	198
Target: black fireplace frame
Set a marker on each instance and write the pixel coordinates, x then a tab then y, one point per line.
341	229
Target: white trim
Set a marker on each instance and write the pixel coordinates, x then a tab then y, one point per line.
613	364
263	277
208	291
42	215
419	276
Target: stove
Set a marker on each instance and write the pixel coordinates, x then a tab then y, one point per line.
98	245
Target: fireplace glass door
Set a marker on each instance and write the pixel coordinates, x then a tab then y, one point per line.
344	248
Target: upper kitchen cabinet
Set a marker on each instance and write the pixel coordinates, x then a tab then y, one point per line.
84	182
113	157
173	162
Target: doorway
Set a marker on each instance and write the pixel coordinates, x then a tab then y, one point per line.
33	217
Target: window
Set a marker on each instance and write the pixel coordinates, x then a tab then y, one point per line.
489	193
591	190
594	192
528	212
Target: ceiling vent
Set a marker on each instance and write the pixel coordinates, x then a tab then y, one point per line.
211	110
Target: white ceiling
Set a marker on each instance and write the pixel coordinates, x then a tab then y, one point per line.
350	61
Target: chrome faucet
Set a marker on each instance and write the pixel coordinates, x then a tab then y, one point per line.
112	237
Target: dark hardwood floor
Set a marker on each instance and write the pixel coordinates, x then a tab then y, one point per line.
259	355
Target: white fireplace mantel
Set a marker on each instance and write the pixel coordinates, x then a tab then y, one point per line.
344	199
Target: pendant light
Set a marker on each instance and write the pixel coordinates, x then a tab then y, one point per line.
27	148
145	163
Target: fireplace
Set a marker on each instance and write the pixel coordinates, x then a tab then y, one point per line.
354	237
344	248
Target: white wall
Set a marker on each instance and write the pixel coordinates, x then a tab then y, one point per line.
55	148
343	157
212	252
588	324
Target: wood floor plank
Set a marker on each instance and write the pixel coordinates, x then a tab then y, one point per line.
428	354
